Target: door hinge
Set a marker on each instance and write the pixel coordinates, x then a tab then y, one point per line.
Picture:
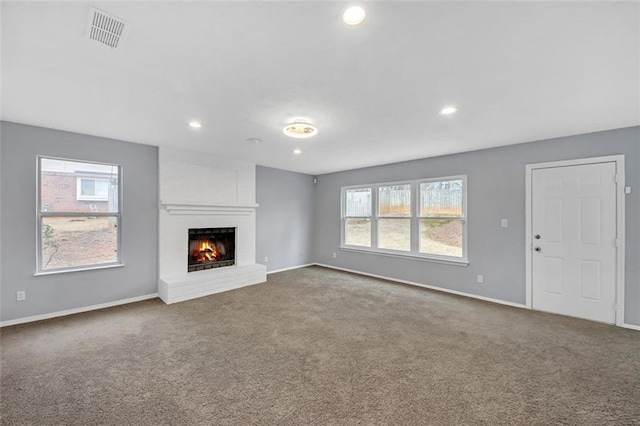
616	178
615	306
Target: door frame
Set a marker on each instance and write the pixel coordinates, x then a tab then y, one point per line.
620	225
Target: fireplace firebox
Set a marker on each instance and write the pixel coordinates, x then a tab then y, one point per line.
211	248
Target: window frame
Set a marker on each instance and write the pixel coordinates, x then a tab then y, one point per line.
41	214
415	218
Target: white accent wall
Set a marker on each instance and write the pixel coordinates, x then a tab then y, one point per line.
205	191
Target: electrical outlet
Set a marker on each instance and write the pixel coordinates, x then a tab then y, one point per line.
504	223
334	255
627	190
266	259
480	279
21	296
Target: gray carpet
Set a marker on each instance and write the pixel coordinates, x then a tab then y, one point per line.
319	347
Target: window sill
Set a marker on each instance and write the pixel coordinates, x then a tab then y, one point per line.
85	268
455	262
88	198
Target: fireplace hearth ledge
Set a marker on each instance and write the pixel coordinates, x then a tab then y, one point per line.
211	281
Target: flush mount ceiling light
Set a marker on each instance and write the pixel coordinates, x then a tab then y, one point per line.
254	140
448	110
300	130
195	124
354	15
297	151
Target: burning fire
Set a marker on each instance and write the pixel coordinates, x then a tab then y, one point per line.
206	252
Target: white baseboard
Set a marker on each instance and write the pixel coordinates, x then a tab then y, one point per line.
155	295
76	310
631	326
430	287
290	268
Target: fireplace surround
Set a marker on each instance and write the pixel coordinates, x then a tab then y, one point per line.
226	203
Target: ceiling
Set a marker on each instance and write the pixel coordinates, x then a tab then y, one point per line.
517	71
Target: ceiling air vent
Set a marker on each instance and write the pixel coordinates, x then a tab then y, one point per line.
105	29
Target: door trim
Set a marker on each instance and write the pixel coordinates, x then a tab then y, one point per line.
620	225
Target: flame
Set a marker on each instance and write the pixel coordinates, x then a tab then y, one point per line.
205	252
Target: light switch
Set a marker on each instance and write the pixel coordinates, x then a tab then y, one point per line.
627	190
504	223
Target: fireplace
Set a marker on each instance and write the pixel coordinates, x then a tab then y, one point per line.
211	248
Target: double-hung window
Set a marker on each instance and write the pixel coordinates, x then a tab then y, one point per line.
357	217
78	215
394	217
421	218
442	218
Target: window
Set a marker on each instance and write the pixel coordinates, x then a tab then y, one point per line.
441	217
394	217
93	189
357	223
423	218
78	215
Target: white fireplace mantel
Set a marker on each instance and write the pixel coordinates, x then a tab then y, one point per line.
189	208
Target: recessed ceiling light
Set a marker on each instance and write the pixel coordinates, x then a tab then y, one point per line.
448	110
354	15
195	124
297	151
300	130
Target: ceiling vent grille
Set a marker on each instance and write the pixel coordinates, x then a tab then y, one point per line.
105	29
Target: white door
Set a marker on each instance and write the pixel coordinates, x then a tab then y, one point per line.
574	240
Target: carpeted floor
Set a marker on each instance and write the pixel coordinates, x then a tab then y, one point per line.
319	347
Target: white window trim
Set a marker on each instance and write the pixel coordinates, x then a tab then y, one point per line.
40	214
81	197
415	218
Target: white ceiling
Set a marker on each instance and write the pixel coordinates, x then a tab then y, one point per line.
518	72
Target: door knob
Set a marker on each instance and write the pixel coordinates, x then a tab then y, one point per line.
537	237
537	249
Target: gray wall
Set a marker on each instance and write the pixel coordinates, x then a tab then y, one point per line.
51	293
496	189
1	207
285	216
297	222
